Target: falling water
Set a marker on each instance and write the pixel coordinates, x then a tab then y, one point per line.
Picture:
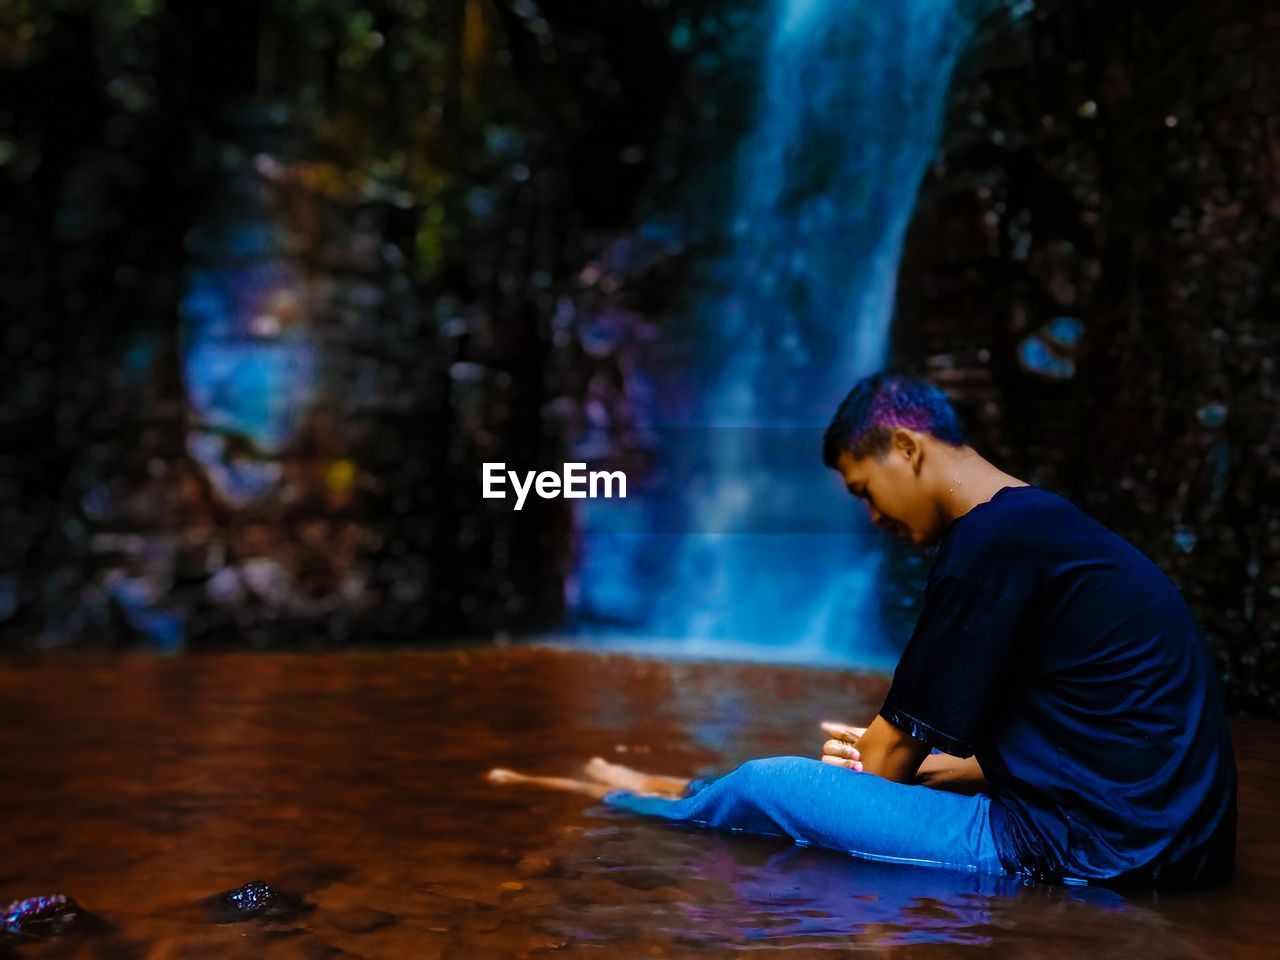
772	560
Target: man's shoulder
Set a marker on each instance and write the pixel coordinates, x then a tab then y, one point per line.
1015	530
1033	534
1015	515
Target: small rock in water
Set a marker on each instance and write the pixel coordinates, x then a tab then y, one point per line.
536	865
255	899
44	916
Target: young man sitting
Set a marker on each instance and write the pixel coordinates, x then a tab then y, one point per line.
1055	714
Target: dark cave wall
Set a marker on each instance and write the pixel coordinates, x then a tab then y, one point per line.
1117	170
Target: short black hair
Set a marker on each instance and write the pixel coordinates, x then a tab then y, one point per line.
866	419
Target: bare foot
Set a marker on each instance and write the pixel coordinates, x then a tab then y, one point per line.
624	778
504	777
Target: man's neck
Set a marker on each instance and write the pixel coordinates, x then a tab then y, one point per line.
968	479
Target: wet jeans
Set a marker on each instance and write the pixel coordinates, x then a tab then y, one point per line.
827	806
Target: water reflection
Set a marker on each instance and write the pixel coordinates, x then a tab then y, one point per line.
701	887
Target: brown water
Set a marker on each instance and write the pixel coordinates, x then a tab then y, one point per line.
140	785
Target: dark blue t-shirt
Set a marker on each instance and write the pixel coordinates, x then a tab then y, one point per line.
1068	663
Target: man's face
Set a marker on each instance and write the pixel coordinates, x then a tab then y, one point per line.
895	494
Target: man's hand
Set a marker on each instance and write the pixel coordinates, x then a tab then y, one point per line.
938	770
881	749
841	750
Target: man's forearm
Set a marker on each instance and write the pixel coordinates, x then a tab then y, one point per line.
943	772
888	752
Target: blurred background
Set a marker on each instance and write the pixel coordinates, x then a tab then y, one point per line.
280	275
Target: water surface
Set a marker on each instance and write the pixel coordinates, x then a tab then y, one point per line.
141	786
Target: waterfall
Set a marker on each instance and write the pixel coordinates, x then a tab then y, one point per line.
771	559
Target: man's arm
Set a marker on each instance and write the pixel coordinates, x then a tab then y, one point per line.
944	772
888	752
847	748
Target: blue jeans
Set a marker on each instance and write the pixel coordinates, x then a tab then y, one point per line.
822	805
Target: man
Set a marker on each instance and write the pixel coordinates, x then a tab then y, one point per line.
1051	660
1055	714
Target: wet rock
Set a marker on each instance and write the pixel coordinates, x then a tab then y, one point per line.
46	916
1050	352
256	899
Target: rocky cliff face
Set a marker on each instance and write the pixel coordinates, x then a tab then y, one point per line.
1092	275
279	290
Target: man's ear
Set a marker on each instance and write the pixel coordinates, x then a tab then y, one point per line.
907	444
